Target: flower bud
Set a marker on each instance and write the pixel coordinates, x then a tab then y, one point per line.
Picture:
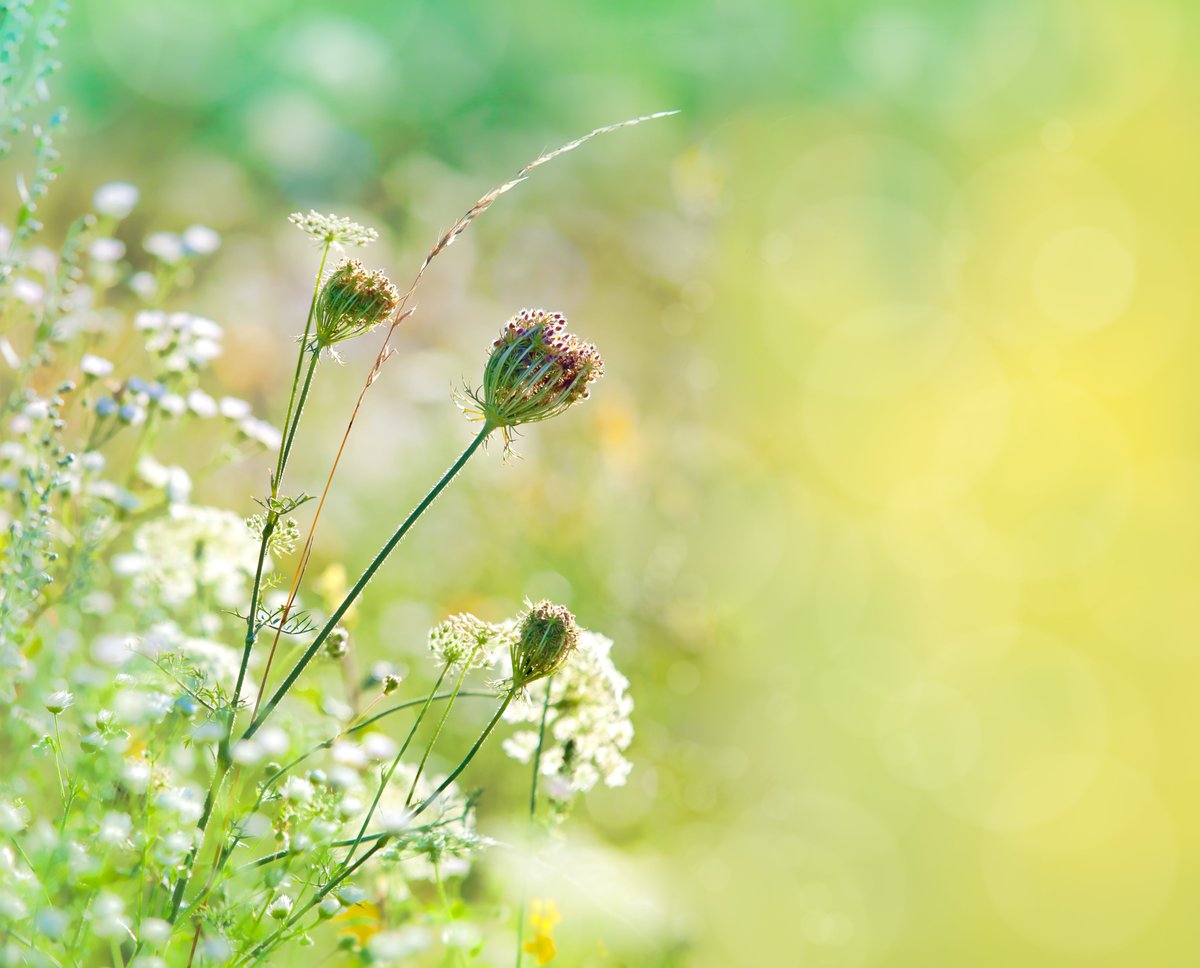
351	302
391	682
56	702
546	636
338	643
535	371
280	908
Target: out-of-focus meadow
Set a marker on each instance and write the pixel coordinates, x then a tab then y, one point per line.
889	498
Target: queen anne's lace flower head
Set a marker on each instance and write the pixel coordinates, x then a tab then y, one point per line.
468	642
535	371
332	229
587	722
546	637
193	550
351	302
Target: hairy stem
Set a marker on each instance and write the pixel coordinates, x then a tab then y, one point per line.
277	480
363	579
487	730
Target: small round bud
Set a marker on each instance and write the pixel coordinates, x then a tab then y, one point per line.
280	908
338	643
351	302
546	636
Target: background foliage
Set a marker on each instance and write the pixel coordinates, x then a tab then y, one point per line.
889	496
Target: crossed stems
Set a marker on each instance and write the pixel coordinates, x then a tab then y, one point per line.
223	756
297	398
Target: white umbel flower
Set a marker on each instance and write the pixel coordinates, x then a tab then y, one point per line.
465	641
194	548
332	229
587	725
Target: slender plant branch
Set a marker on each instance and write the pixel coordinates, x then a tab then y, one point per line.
437	730
387	776
277	480
363	579
264	948
533	790
441	788
290	434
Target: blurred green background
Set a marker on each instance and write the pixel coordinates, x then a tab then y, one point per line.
889	497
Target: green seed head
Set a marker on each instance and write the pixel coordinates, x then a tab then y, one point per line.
535	371
546	637
351	302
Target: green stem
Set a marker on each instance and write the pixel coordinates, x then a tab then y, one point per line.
290	434
62	784
386	778
222	767
291	423
477	693
437	731
508	698
533	787
274	778
280	854
252	614
366	576
261	950
312	306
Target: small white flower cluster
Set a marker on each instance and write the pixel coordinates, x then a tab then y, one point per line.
116	199
171	249
587	724
182	340
467	642
333	229
284	537
174	482
189	552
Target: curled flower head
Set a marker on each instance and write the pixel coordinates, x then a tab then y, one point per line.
546	637
332	229
351	302
535	371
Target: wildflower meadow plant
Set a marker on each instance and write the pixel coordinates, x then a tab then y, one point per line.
170	796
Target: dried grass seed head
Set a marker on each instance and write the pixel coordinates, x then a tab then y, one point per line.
353	301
